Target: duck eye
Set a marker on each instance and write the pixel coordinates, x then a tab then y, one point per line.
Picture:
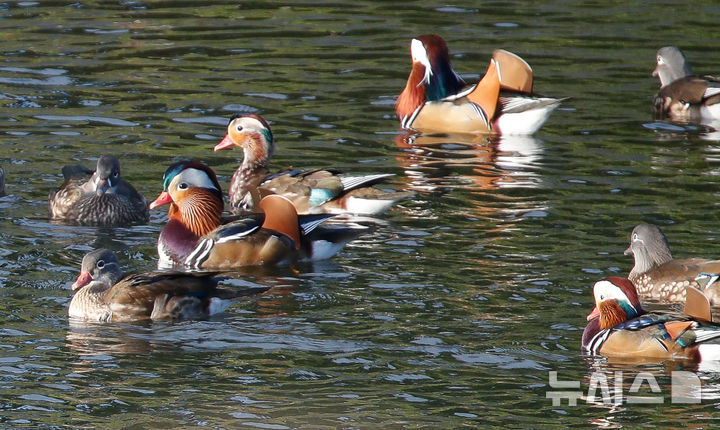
116	174
100	264
602	296
239	128
183	186
635	236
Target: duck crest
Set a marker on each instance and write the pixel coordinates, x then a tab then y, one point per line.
179	166
440	80
617	300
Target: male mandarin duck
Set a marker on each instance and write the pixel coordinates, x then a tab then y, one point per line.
194	236
103	293
100	198
619	327
657	276
435	98
682	95
313	191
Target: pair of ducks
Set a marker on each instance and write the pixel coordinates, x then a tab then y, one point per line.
619	327
437	100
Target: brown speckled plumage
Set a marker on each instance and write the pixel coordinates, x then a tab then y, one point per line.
102	293
100	198
659	277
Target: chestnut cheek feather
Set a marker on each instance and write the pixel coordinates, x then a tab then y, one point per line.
610	314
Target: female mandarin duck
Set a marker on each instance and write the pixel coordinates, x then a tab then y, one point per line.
103	293
619	327
314	191
194	236
657	276
435	98
101	197
682	95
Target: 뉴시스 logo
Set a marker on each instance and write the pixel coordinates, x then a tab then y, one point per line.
685	387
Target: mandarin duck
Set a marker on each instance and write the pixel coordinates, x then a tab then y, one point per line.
195	236
436	99
99	198
659	277
683	96
619	327
103	293
313	191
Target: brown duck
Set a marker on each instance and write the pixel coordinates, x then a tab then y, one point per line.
659	277
103	293
683	96
100	198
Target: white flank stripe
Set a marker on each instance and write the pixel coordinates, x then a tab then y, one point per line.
351	182
238	235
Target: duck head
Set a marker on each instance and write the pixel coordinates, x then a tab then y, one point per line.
100	265
431	76
252	134
106	176
649	247
671	65
193	192
616	301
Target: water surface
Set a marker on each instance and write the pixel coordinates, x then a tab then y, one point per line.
451	314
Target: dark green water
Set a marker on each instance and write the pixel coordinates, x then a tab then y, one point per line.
452	314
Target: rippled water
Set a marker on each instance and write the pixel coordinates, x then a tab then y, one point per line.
451	314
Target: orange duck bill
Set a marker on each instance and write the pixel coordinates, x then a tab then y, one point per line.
163	199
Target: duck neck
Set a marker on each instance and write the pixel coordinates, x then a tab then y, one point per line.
646	261
251	171
413	95
89	301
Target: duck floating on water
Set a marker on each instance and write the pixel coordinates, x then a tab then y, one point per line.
311	191
103	293
99	198
684	96
659	277
618	326
197	237
437	100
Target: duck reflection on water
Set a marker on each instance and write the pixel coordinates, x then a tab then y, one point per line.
480	164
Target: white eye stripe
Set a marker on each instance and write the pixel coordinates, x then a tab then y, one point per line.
606	290
194	178
419	54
